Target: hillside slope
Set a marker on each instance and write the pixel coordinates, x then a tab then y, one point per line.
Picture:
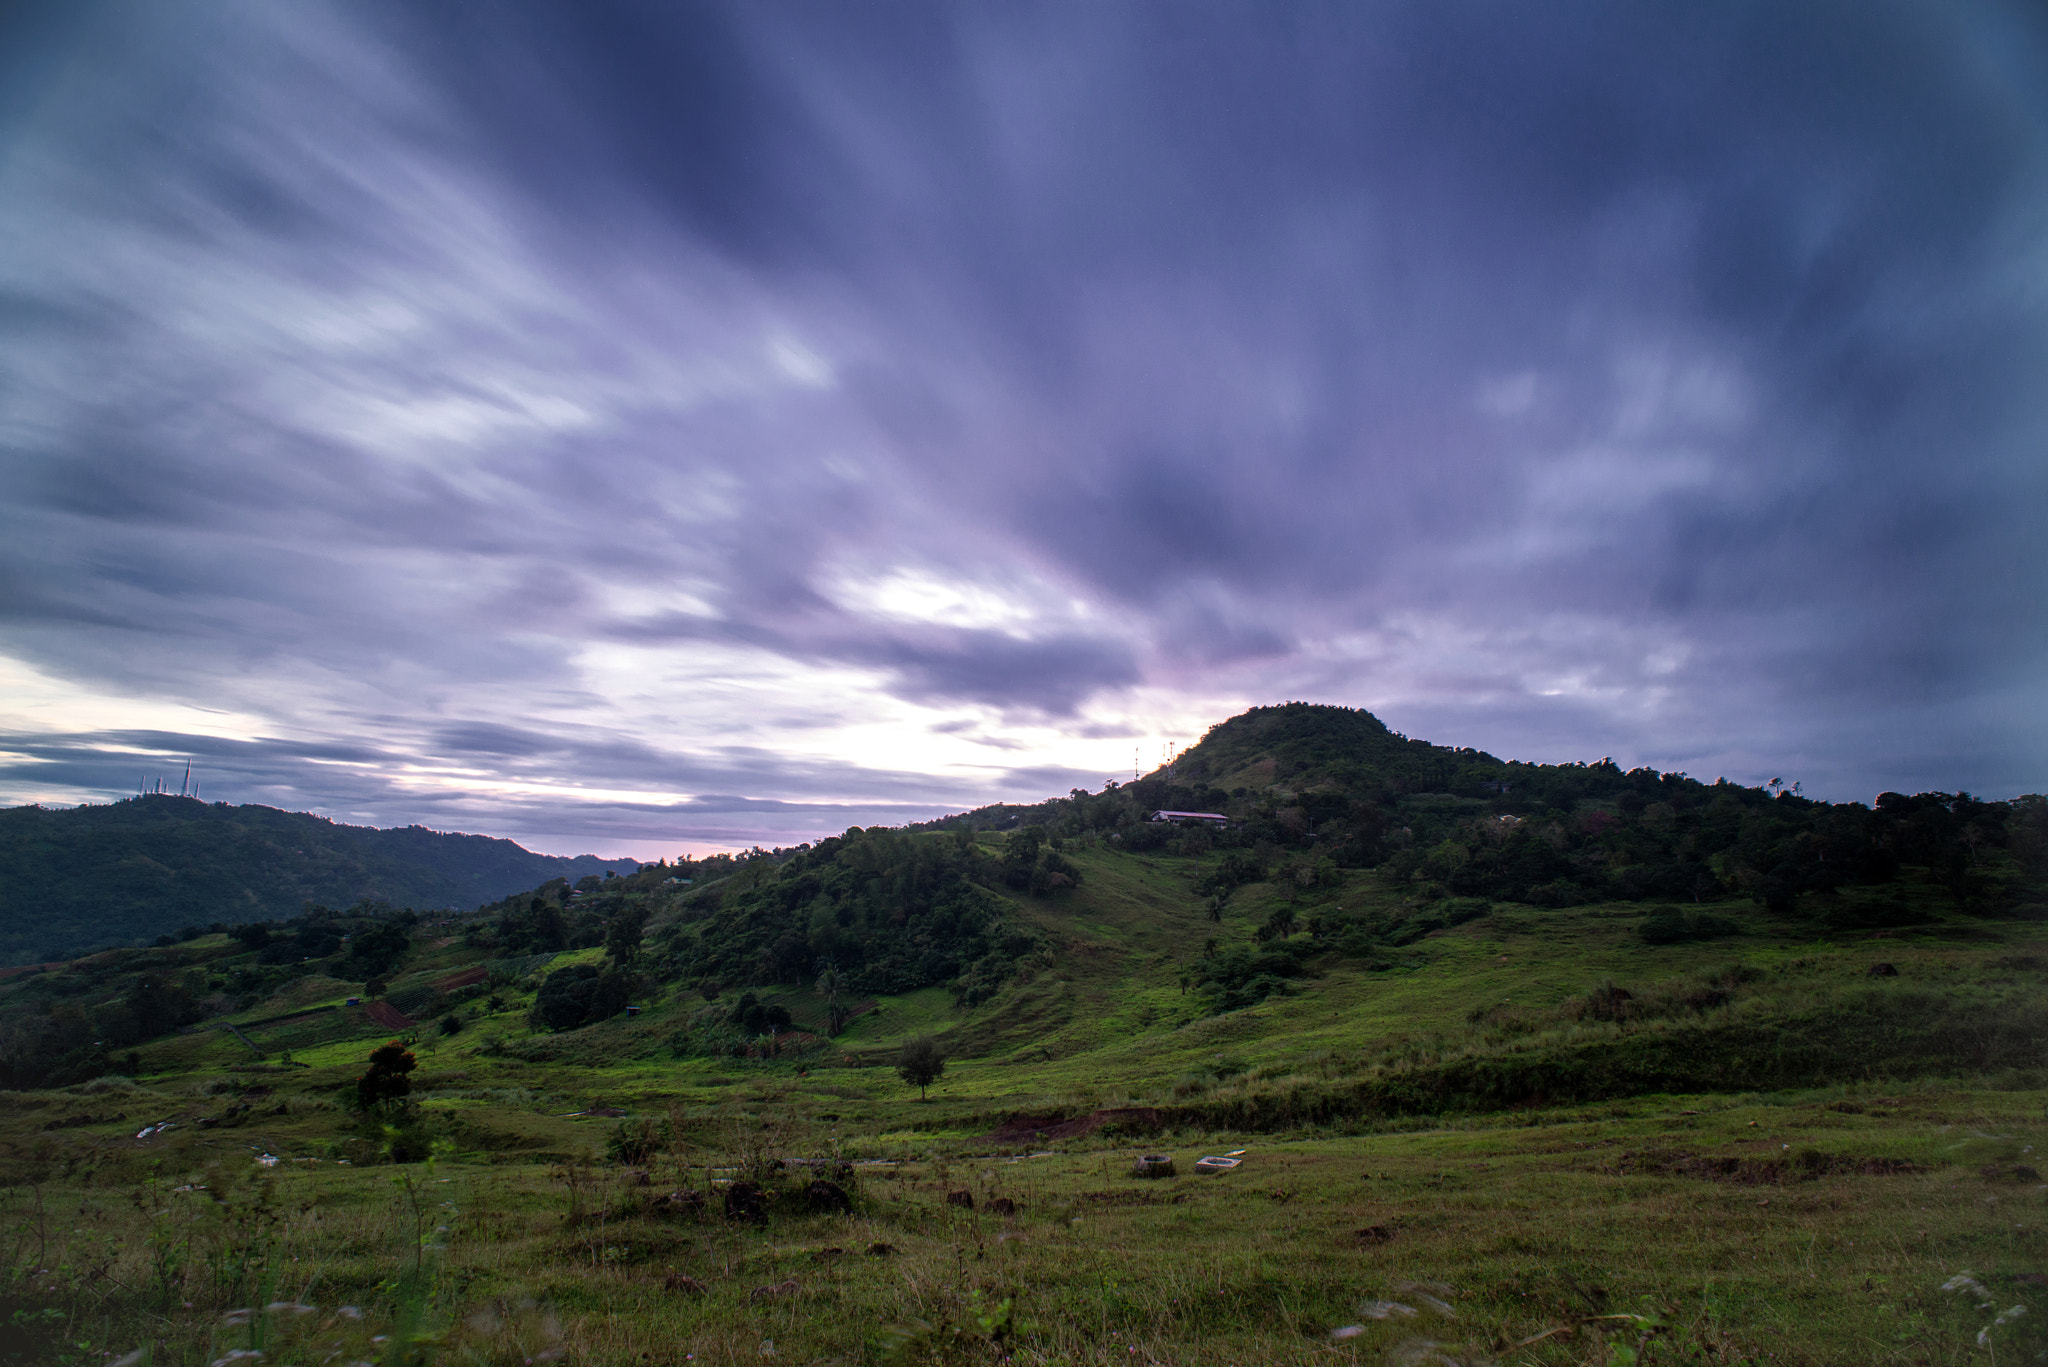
79	878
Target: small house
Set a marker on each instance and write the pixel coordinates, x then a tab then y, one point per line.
1199	818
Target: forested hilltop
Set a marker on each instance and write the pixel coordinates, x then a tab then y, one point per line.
1322	789
79	878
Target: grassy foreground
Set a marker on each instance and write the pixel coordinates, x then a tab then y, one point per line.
1784	1230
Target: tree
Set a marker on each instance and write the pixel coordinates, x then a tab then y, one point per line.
613	990
565	997
376	951
921	1063
386	1080
622	936
829	982
156	1007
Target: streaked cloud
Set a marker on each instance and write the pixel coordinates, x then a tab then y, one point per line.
552	418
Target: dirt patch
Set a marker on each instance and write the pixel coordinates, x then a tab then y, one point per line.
1802	1167
389	1016
1990	1172
1129	1198
1026	1128
467	977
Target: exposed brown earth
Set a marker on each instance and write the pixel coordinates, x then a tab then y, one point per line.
1026	1128
1757	1171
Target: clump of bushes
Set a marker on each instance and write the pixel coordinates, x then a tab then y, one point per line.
1672	925
636	1141
582	994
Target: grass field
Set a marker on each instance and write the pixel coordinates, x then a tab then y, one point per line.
1473	1148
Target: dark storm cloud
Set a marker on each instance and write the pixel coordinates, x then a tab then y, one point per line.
1566	380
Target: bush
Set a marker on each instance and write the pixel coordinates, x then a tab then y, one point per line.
1670	926
1664	926
1875	915
564	997
410	1144
635	1141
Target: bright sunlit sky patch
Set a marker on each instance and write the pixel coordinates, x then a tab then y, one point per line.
644	428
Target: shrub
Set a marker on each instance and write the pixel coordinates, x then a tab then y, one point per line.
565	997
635	1141
1670	926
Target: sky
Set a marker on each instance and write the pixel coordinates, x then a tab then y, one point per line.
656	428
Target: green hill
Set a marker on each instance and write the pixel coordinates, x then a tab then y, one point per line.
1314	790
80	878
1436	1000
1081	925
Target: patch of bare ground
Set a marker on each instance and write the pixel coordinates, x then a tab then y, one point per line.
1803	1167
1026	1128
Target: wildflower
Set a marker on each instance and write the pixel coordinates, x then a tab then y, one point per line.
1984	1334
1963	1281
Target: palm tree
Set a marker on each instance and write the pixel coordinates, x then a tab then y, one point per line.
829	983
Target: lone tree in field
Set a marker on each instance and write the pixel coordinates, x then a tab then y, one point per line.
386	1080
829	982
921	1063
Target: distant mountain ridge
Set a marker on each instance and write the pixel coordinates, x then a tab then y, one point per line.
79	878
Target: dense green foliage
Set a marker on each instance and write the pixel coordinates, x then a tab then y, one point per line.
72	1025
889	912
1334	783
85	877
581	994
